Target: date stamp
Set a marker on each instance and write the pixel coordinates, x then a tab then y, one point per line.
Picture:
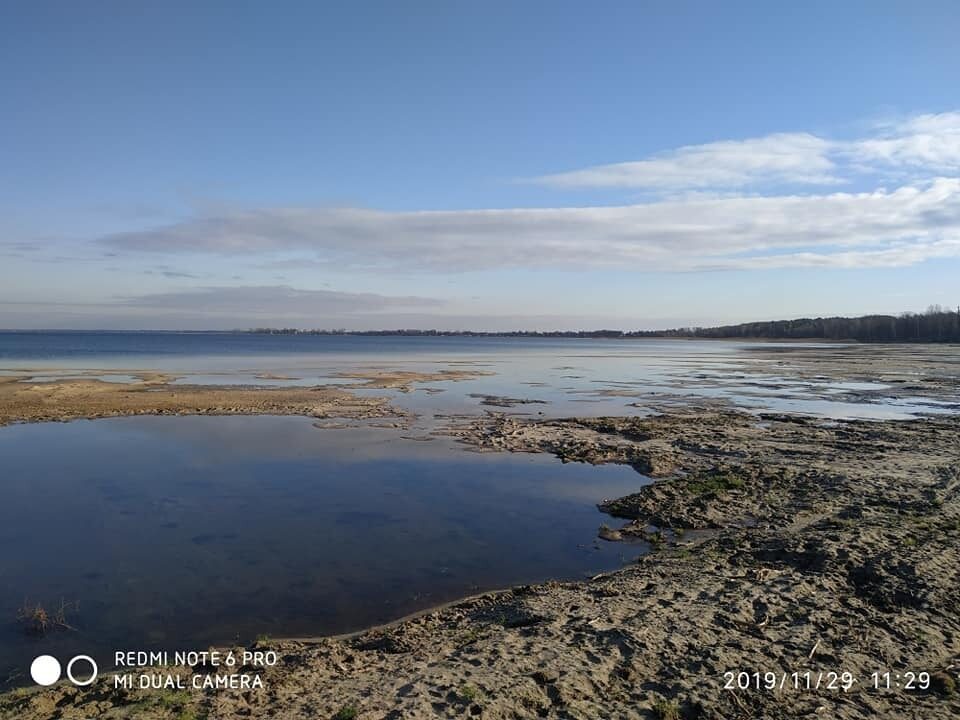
824	680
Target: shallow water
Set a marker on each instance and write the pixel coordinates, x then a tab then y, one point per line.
181	532
570	376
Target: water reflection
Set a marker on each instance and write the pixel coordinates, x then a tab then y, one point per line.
182	532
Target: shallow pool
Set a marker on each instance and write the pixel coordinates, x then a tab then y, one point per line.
181	532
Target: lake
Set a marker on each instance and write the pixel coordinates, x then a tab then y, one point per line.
567	376
182	532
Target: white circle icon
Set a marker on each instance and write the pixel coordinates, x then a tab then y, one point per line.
93	671
45	670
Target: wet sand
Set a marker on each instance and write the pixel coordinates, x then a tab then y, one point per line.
404	380
784	545
777	544
62	400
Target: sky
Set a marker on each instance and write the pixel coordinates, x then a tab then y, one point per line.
490	166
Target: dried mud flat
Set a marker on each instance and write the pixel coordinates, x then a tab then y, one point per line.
404	380
820	547
153	394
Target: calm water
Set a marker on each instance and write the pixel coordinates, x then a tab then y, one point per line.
183	532
565	376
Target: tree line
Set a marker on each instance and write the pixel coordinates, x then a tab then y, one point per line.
937	324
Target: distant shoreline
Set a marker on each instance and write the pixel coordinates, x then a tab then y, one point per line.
532	335
936	325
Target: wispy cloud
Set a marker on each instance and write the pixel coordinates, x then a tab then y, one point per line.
687	234
273	301
171	273
796	158
927	142
924	142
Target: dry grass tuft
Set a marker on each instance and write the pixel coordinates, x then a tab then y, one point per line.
35	620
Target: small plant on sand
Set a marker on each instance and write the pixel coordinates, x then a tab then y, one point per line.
191	714
666	709
469	637
347	712
469	694
714	484
656	539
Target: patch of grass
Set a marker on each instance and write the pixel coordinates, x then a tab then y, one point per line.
191	714
347	712
469	637
175	701
469	693
844	523
166	698
666	709
715	484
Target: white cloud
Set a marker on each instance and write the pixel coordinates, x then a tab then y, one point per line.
273	301
930	143
897	256
781	158
685	234
760	203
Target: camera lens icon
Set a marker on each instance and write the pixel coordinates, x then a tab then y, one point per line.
45	670
93	670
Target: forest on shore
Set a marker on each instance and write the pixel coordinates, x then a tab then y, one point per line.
935	325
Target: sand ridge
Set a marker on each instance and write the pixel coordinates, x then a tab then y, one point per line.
153	394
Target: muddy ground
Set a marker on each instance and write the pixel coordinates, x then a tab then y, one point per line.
777	544
154	393
61	400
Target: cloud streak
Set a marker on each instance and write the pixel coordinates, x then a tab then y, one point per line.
796	158
274	301
902	226
926	142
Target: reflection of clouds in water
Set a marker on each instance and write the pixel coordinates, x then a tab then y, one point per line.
268	524
609	375
280	437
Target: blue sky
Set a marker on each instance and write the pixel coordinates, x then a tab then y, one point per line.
487	165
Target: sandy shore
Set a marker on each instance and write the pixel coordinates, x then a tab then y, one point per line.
74	399
778	545
22	400
404	380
